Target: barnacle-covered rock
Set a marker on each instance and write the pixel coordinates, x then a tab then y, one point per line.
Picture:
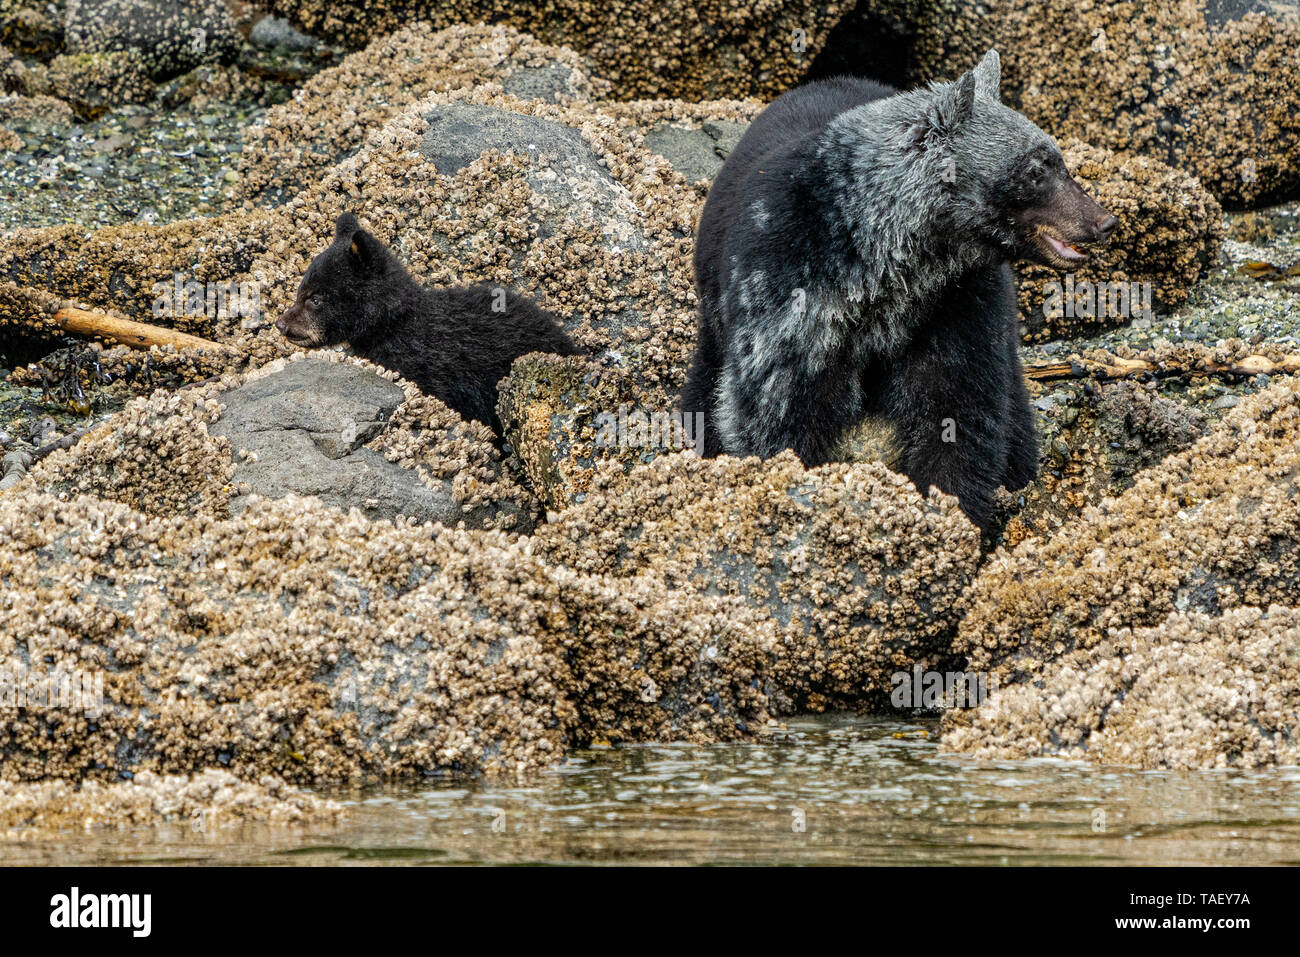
312	644
30	27
644	47
1196	691
338	428
862	575
170	35
92	83
307	427
1093	442
210	799
331	114
157	455
1211	528
562	415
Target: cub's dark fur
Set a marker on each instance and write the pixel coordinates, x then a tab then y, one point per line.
852	262
455	343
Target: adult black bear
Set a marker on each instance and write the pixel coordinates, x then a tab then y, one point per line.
852	261
455	343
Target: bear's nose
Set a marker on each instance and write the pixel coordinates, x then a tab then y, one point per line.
281	326
1107	226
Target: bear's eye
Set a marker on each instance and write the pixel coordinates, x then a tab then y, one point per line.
315	301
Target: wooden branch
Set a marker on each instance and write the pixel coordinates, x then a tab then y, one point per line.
67	442
1123	368
139	335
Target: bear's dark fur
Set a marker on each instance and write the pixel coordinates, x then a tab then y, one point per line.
455	343
852	261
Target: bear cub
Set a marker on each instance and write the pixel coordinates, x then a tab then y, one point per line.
853	261
455	343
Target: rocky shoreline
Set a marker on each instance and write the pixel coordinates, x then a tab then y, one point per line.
292	569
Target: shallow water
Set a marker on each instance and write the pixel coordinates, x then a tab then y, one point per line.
868	791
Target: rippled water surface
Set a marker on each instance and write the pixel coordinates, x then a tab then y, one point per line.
832	790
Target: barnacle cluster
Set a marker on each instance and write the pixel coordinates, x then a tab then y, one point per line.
1212	531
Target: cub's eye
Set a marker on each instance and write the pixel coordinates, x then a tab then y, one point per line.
315	302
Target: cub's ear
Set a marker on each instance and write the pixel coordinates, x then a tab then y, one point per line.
345	226
365	250
949	106
988	75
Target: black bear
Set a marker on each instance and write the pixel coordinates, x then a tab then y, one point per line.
455	343
852	261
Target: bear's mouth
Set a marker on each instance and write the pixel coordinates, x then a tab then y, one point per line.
1058	250
296	336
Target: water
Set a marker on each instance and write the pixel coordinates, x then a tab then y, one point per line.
867	791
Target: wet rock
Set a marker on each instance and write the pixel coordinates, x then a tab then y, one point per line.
171	36
567	175
1209	529
696	153
345	431
209	799
315	645
861	574
551	83
31	27
1196	691
278	32
1093	442
38	111
13	72
303	429
92	83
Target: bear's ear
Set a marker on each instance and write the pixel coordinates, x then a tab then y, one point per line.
345	226
364	250
956	102
988	75
950	105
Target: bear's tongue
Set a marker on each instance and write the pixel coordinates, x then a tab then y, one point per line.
1063	249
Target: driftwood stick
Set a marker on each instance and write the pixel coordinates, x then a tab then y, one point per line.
67	442
1123	368
139	335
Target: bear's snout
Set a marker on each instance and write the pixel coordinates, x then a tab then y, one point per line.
1107	226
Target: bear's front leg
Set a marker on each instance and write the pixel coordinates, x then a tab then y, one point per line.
776	396
948	398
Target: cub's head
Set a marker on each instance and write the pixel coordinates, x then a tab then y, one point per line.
340	297
1011	189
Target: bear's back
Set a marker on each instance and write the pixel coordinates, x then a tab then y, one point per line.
789	121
